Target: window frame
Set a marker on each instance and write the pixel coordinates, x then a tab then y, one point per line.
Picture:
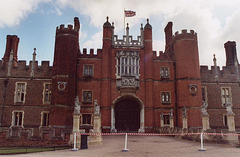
165	102
42	118
44	92
163	75
86	101
16	98
224	96
164	120
14	118
82	117
88	70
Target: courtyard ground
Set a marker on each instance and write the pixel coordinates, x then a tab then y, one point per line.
145	146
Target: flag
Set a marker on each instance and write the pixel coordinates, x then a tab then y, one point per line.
129	13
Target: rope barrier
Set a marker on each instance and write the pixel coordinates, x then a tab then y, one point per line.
156	134
152	134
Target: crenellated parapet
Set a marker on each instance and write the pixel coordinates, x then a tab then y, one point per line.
23	70
91	54
227	74
185	35
162	56
63	31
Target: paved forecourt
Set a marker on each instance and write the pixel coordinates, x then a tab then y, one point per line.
145	146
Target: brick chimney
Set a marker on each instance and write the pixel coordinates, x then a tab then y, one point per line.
12	44
231	55
168	33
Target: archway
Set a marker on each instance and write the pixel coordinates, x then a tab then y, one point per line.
127	116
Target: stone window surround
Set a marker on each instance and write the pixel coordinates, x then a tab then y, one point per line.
166	102
88	65
42	113
81	118
229	94
49	94
165	115
13	118
162	75
15	93
91	97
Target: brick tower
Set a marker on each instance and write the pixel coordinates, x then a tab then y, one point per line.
64	75
148	74
188	83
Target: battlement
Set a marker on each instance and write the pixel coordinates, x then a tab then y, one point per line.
66	30
185	35
227	74
24	70
91	54
162	56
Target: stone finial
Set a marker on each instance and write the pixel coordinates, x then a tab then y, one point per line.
204	109
161	115
184	112
229	109
147	21
77	106
214	60
10	64
96	107
107	18
171	113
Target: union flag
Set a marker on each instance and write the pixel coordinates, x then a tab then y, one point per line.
129	13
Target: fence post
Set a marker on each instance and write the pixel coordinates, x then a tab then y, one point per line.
201	149
75	142
125	148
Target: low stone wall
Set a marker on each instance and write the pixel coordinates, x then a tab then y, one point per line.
11	137
221	139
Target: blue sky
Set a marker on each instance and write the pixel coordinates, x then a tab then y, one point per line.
35	22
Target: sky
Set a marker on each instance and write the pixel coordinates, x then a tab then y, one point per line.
35	22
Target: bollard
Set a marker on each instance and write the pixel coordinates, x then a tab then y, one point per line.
74	142
125	149
201	149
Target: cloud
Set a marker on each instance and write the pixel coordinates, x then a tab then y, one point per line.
94	42
13	11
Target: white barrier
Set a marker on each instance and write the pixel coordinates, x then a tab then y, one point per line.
151	134
125	148
201	149
75	142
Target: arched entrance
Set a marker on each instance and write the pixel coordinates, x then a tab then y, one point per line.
127	116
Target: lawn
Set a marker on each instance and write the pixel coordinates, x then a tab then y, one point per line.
20	150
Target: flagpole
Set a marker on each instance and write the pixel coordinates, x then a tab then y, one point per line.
124	22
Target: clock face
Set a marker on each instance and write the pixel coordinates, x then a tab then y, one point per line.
61	85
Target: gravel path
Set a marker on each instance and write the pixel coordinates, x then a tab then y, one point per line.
145	146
